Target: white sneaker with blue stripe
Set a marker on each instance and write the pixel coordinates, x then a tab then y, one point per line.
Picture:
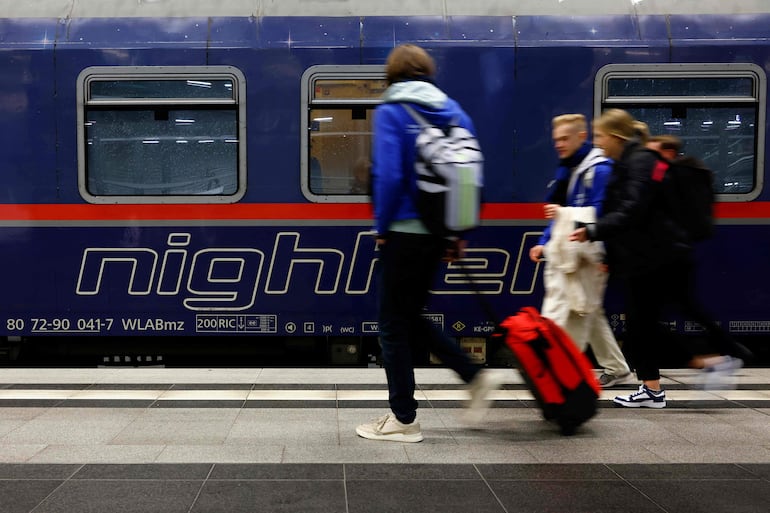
644	398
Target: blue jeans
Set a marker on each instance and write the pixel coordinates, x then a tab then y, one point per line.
407	268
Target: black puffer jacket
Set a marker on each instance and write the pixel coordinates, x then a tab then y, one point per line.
634	223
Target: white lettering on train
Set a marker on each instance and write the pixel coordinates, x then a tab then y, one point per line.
229	279
135	324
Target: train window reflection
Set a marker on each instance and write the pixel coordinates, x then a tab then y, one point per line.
161	135
338	112
716	110
340	146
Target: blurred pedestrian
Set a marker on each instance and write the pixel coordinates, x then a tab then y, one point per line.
410	255
728	355
639	247
575	278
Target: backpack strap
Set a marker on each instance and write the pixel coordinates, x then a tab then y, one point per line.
415	115
585	170
423	122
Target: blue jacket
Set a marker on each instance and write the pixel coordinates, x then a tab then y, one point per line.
583	194
394	179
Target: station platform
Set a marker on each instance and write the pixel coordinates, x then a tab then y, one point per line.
146	439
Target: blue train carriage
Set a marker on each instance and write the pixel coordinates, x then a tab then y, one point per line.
193	179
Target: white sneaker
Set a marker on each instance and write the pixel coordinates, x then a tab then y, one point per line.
389	428
644	398
484	383
718	376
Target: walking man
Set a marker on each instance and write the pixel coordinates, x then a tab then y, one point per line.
575	278
410	255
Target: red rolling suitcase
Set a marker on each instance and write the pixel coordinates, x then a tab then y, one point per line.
560	376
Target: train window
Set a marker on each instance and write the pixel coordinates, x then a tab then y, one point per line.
338	107
717	111
161	134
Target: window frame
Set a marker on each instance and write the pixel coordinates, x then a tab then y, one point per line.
309	77
132	73
602	100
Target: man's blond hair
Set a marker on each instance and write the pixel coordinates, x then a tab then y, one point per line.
578	122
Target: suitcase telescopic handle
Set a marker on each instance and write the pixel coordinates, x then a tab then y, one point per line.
489	311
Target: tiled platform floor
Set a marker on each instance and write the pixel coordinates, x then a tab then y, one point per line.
414	488
237	440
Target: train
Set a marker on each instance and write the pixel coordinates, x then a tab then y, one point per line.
190	178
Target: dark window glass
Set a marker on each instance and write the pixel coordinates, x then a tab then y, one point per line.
158	151
159	89
714	87
723	137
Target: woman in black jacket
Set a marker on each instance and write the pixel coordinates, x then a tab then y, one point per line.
639	245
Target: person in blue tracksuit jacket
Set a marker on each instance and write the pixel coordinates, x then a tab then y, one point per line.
409	255
580	181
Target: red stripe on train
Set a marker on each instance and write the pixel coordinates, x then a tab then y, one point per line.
290	211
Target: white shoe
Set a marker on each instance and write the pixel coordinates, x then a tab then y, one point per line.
389	428
644	398
484	383
718	376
